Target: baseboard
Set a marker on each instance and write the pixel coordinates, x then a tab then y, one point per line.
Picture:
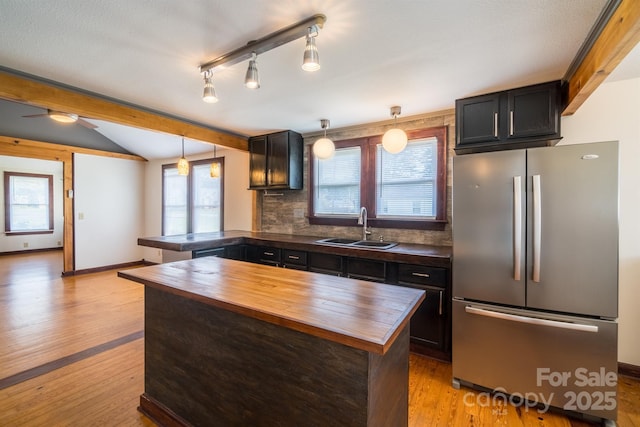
629	370
142	262
30	251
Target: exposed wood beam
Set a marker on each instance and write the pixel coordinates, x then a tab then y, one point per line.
31	91
618	37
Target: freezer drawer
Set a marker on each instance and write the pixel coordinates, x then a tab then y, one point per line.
568	362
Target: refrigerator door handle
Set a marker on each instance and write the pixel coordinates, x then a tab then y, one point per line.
517	226
530	320
537	227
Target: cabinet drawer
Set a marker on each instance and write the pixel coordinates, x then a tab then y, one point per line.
219	252
366	269
421	274
263	255
294	259
325	263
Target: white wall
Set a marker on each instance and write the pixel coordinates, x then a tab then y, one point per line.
34	241
237	199
612	112
109	210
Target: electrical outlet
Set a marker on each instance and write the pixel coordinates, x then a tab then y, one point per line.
59	243
81	215
25	245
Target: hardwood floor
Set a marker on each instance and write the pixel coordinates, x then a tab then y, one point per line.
72	354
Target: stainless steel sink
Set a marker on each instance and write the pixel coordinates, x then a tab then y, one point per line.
374	244
339	241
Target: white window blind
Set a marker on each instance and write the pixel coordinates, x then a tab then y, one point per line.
29	208
175	209
337	183
406	182
206	200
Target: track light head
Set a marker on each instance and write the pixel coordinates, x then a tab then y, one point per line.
311	58
252	79
209	94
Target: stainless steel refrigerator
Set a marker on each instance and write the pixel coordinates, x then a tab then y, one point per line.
535	275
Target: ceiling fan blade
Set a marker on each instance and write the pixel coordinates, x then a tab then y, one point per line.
86	124
37	115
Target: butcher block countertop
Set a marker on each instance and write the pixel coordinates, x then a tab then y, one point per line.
434	256
364	315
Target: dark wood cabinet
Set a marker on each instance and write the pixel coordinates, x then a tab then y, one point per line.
365	269
431	323
275	161
517	118
294	259
263	255
430	328
325	263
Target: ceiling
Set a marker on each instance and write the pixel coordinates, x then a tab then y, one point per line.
421	55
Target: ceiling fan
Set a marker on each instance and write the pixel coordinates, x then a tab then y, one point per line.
62	117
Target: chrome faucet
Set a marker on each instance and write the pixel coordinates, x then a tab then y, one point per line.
362	220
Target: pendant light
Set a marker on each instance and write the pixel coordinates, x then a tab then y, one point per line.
251	79
394	140
183	164
214	171
324	148
311	59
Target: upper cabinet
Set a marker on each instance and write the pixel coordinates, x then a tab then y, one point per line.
275	161
517	118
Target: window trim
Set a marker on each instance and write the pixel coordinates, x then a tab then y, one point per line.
368	184
7	204
190	186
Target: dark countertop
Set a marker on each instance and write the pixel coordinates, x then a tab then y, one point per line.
435	256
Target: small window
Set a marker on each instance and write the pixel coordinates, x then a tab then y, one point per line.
404	190
28	203
406	182
193	203
337	183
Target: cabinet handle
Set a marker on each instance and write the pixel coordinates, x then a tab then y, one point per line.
268	253
440	305
293	257
421	275
495	125
511	123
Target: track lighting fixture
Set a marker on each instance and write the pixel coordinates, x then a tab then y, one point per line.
209	94
251	79
324	148
394	140
183	164
214	171
308	28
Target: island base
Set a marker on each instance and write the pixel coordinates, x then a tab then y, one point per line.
205	365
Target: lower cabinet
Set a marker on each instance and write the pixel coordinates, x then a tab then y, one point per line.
431	323
325	263
430	327
263	255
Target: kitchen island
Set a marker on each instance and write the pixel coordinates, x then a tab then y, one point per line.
235	343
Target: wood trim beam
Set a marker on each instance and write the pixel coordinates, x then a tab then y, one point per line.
619	36
44	95
10	146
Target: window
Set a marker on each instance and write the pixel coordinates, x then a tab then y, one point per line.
404	190
28	203
193	203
